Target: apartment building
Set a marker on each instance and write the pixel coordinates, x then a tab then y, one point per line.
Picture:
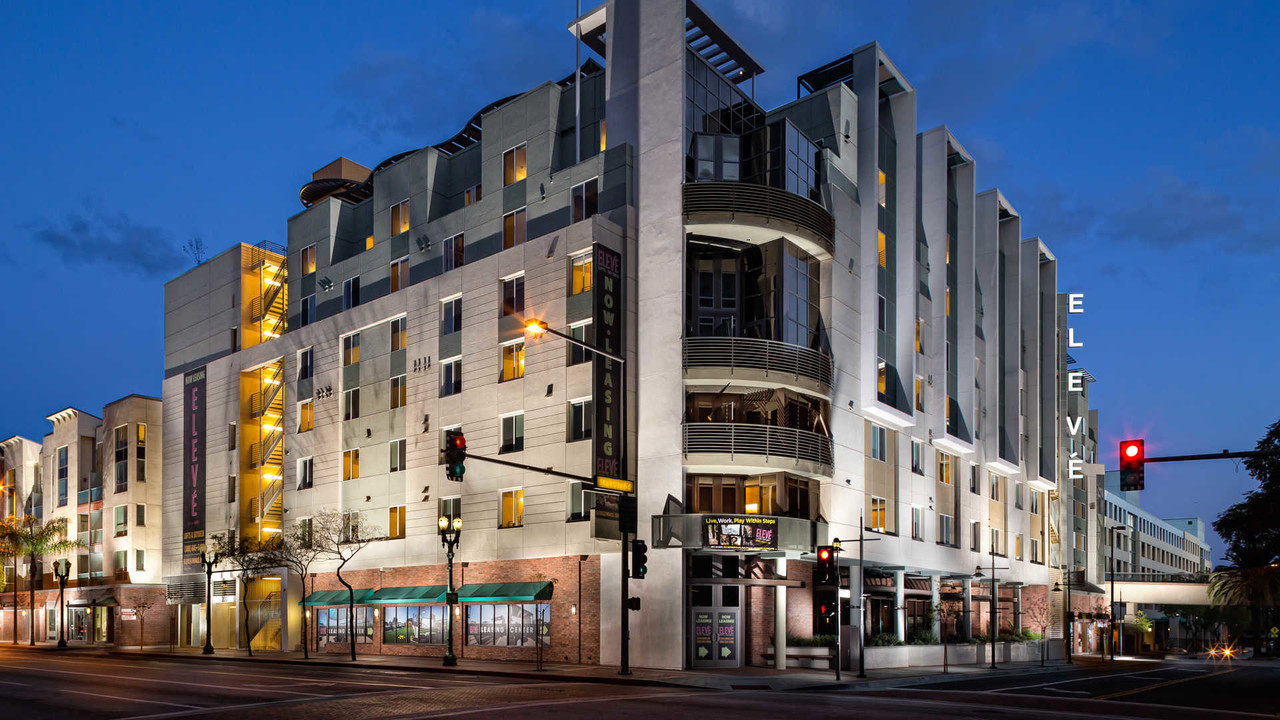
828	331
1146	546
96	474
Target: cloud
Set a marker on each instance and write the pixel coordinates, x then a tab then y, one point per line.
111	240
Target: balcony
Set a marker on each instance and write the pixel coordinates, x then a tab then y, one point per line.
695	532
758	214
748	448
763	362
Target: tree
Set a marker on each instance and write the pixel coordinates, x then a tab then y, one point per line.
1037	611
248	557
298	552
341	536
1257	587
948	613
141	607
195	249
31	538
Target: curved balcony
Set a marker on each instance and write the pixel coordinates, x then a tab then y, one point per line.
758	214
748	448
758	362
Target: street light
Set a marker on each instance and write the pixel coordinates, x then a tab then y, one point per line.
208	563
1067	616
450	530
62	571
1115	616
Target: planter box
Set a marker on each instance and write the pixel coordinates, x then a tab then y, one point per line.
807	656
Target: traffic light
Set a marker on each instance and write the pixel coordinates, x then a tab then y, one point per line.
639	559
1132	458
455	455
824	572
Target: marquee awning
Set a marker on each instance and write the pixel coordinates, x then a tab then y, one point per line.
506	592
99	601
408	595
336	597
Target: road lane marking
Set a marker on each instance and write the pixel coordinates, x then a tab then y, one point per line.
142	680
137	700
1166	683
567	701
1072	680
1073	692
5	682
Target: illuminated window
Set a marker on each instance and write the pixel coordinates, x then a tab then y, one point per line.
395	522
513	296
513	361
512	433
450	376
451	255
351	464
472	195
399	391
306	415
512	508
351	404
513	165
451	316
946	466
585	199
398	460
582	267
513	229
948	302
399	217
1017	546
350	349
920	393
883	192
308	259
140	451
400	274
399	333
878	513
880	245
919	338
881	377
602	134
368	243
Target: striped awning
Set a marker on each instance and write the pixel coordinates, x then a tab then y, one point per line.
336	597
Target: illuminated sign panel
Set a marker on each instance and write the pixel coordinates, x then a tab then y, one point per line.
193	468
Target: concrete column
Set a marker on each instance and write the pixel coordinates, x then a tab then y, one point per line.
780	617
966	622
900	603
934	601
1017	608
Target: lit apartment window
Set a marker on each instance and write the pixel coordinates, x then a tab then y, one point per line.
122	458
878	512
948	301
399	333
513	165
917	457
122	520
350	293
398	458
512	433
451	316
585	199
350	349
140	560
944	530
1017	546
512	508
306	415
882	377
603	133
513	230
919	341
400	273
513	296
577	353
351	464
368	242
580	416
879	443
512	361
306	364
581	274
880	245
304	474
308	312
399	391
917	523
308	259
450	376
995	485
141	452
139	515
946	466
395	522
975	535
351	404
472	195
882	189
920	393
452	254
399	217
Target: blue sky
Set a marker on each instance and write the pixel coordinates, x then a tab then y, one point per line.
1139	140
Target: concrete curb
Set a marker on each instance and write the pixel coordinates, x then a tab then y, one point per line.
912	680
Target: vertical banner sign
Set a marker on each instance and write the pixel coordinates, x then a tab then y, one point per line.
193	468
610	469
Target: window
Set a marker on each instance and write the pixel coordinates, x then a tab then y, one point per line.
451	507
141	452
882	313
308	259
522	625
122	458
451	316
395	523
581	279
1017	546
917	457
512	433
472	195
399	391
306	416
140	560
308	314
512	508
1035	550
232	484
880	245
917	523
973	480
513	229
879	439
139	515
351	464
1017	495
577	501
450	376
399	333
368	242
513	361
306	364
62	476
603	127
919	340
585	199
420	625
944	530
397	455
513	165
975	535
882	189
350	349
996	547
400	273
350	293
351	404
995	485
399	217
920	393
305	478
452	255
235	339
122	520
580	417
582	332
513	295
122	558
878	512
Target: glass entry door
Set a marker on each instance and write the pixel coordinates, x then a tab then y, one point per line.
715	626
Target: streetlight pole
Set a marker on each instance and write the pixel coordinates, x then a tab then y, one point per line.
1115	616
62	571
208	563
450	536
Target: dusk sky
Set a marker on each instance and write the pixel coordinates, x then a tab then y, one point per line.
1139	140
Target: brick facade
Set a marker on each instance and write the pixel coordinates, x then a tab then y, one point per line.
122	633
759	613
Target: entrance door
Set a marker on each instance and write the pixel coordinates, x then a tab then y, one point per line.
78	624
715	632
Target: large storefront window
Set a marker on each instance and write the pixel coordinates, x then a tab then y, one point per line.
773	494
515	625
421	625
331	625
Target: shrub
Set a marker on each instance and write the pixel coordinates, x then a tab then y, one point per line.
922	637
1007	636
1030	634
811	641
883	640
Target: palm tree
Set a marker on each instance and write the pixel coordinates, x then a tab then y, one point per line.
31	538
1257	586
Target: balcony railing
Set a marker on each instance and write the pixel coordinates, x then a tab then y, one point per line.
689	531
770	356
770	441
777	207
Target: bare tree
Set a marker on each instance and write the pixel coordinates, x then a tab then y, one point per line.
298	551
341	536
1038	612
948	613
195	248
141	607
248	557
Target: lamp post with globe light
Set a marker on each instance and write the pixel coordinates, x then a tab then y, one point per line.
62	571
450	530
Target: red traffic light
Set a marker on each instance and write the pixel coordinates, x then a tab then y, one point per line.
824	554
1132	465
460	441
1131	451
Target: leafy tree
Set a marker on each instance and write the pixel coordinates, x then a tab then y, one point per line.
1257	587
248	557
340	537
31	538
298	551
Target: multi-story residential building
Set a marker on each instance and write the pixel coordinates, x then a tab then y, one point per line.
828	332
1148	545
96	474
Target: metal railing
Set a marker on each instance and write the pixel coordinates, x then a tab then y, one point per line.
771	356
766	440
688	531
740	198
1181	577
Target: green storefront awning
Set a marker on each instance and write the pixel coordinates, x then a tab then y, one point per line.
408	595
101	601
336	597
505	592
